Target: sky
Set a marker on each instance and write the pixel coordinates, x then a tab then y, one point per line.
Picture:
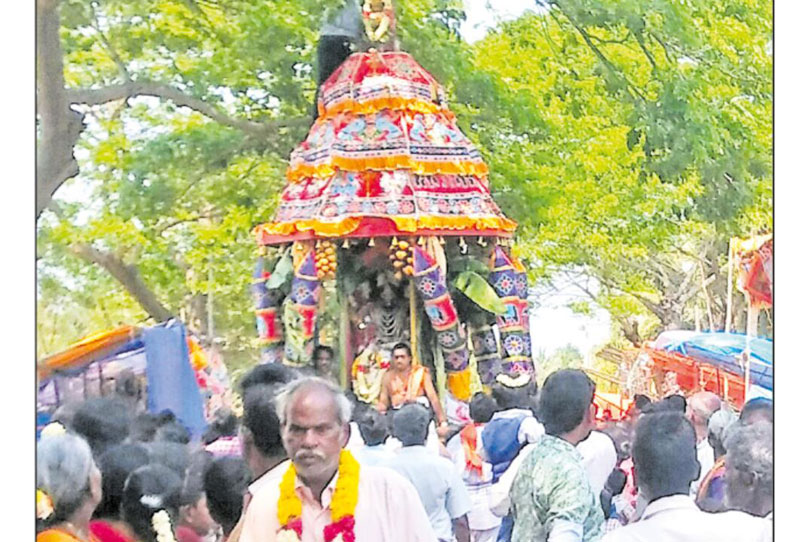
479	18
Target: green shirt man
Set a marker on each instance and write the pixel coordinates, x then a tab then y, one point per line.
551	489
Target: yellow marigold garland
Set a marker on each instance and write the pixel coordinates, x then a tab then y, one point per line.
343	503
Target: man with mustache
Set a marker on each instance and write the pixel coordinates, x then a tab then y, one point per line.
315	416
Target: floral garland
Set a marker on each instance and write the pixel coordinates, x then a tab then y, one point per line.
343	504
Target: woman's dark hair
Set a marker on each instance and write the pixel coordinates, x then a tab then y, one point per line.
374	427
482	408
148	490
566	397
225	483
173	431
173	455
261	420
104	422
507	398
144	427
193	485
116	465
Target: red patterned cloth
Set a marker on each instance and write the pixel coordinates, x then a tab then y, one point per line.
225	446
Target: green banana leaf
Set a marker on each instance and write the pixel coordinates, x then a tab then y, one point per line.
476	288
282	274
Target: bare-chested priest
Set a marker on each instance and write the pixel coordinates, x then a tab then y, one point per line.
405	383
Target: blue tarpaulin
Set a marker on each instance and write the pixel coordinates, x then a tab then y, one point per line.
723	350
171	382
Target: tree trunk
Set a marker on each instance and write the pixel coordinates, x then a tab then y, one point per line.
59	125
128	276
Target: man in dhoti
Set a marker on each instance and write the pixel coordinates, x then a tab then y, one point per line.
406	383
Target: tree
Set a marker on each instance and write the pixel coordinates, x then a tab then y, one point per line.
653	146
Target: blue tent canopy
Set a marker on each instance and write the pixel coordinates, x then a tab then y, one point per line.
723	350
161	353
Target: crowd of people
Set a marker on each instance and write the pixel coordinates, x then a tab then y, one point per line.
308	461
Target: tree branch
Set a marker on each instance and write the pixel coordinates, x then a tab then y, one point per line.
179	98
127	275
594	48
125	74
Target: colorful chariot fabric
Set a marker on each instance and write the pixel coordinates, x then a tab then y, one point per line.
302	309
511	285
386	148
266	305
431	285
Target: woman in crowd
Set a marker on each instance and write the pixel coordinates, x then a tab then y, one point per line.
116	465
68	489
195	522
150	503
225	484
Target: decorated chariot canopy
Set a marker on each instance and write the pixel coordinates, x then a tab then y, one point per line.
383	177
384	158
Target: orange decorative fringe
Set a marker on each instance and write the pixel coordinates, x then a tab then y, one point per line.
300	171
395	103
404	225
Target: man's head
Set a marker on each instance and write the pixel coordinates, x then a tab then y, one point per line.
756	410
374	427
315	426
749	468
269	374
665	454
507	397
721	425
401	356
699	409
482	408
566	405
411	423
674	403
261	430
323	359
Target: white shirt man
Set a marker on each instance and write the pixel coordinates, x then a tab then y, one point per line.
678	519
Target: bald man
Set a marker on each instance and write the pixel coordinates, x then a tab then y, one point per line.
700	407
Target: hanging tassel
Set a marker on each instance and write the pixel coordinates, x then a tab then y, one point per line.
442	241
371	242
481	241
393	241
464	248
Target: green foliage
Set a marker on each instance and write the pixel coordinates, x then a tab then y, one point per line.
624	136
566	357
478	290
